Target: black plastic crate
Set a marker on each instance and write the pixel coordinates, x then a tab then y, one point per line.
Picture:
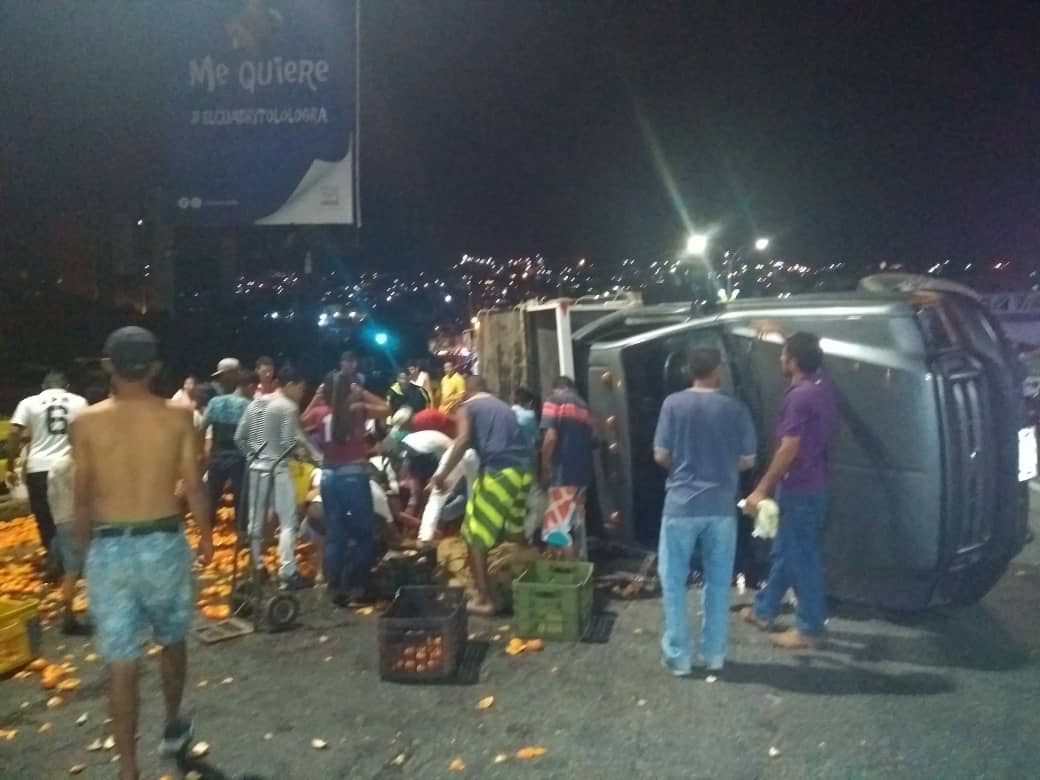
401	569
422	635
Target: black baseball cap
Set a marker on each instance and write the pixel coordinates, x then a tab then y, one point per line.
132	351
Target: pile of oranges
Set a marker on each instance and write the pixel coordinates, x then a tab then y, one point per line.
421	653
18	532
21	559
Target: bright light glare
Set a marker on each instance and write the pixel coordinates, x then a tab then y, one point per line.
381	339
762	244
696	244
447	299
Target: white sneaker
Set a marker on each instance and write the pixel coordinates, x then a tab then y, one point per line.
674	670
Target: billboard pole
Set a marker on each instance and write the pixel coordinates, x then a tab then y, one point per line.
357	120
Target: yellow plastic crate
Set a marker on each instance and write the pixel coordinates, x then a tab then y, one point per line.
20	633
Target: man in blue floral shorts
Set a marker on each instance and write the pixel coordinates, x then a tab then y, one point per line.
129	452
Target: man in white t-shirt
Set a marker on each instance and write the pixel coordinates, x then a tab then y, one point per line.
424	452
45	419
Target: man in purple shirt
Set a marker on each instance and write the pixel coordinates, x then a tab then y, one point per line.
798	473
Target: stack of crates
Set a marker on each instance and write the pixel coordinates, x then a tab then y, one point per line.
553	600
20	633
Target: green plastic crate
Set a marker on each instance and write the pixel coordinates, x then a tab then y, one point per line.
553	600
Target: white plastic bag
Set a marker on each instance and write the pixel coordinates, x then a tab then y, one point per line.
767	519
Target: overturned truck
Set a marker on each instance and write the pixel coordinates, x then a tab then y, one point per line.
928	500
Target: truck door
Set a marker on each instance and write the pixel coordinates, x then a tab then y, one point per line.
654	370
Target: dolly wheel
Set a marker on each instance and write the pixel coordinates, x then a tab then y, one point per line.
280	611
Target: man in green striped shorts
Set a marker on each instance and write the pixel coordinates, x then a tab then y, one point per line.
496	507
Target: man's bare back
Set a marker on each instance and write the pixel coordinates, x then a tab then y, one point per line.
134	452
129	452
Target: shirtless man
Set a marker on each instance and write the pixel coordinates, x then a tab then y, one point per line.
129	453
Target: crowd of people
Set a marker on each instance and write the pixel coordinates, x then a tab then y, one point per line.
354	473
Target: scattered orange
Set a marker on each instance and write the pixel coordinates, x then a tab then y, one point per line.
532	751
216	611
515	646
51	675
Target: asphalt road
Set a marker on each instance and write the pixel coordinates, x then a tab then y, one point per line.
949	695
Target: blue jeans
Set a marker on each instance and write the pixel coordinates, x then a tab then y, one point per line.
795	561
718	539
347	499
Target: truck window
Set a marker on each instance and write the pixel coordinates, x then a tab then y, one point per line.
676	366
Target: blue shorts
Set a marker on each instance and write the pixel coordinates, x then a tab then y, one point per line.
135	583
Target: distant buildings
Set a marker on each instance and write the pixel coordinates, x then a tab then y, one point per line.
222	269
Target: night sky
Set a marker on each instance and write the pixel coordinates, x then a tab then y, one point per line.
844	130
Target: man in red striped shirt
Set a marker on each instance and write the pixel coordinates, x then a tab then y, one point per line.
568	443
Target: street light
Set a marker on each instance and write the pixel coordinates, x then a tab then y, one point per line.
696	244
762	244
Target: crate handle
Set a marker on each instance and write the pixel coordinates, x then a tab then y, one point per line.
546	594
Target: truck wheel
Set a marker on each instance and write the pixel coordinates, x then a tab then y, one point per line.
964	588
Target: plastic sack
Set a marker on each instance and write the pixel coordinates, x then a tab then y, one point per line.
767	519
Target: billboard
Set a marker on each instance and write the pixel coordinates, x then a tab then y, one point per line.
261	117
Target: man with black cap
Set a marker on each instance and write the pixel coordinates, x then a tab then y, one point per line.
129	453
